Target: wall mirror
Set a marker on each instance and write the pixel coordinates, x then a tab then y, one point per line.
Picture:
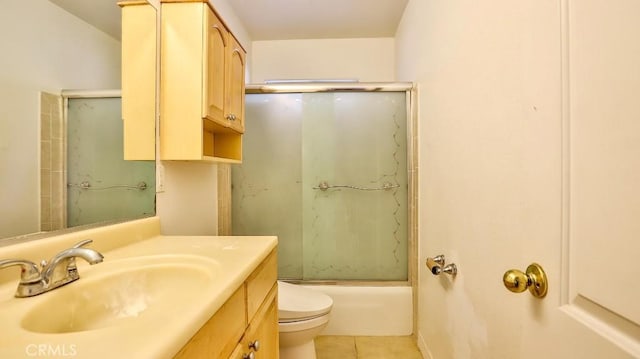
61	151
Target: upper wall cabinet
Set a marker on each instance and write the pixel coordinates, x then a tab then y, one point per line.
139	46
202	85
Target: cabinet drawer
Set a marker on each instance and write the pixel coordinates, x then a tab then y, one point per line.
260	283
220	335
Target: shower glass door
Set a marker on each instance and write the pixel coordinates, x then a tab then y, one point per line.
101	185
327	173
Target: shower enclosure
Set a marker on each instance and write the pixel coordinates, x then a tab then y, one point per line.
328	169
101	185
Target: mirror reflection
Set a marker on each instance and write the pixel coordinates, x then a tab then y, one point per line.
61	156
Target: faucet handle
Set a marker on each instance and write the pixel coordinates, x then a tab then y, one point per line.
29	271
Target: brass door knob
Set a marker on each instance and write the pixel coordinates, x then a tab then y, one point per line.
534	278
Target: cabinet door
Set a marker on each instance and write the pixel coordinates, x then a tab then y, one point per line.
217	39
236	61
238	352
139	81
262	337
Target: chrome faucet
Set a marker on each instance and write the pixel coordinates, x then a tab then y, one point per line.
60	270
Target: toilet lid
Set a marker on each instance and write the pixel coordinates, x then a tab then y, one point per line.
296	302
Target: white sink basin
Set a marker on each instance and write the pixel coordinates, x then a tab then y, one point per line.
122	291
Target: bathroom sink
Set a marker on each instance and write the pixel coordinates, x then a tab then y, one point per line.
122	291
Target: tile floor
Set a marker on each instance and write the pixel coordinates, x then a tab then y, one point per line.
343	347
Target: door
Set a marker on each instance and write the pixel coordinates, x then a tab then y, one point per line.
341	183
595	312
530	152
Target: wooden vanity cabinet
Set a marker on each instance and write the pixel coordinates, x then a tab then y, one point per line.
202	85
249	315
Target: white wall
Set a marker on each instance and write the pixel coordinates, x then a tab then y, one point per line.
189	203
489	146
44	48
367	60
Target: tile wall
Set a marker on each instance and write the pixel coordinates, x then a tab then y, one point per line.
52	154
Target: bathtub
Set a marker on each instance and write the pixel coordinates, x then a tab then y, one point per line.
368	311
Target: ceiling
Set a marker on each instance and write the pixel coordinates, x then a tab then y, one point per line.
319	19
276	19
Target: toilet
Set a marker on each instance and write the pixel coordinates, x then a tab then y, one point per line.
302	314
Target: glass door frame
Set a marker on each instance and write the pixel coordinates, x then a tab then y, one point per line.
410	89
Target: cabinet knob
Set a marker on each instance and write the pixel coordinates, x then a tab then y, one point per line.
255	345
249	356
231	117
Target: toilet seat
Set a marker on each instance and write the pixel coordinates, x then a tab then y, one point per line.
300	325
296	303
